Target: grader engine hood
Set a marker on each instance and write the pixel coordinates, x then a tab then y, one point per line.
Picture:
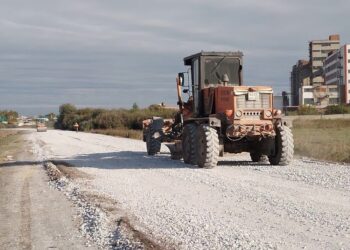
248	110
247	100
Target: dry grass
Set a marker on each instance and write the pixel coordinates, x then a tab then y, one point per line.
10	143
127	133
323	139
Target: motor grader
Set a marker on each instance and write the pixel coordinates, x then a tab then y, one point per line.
220	115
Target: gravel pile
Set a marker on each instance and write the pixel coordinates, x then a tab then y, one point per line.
95	224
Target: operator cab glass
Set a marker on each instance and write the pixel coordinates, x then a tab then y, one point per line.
220	70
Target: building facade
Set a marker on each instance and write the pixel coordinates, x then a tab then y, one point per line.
300	76
337	72
320	96
308	78
318	52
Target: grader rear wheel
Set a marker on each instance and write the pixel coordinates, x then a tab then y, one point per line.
208	147
154	136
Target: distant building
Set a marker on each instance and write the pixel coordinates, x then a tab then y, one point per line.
300	76
320	96
278	102
308	77
337	72
306	96
318	52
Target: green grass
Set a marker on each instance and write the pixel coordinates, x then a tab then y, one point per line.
323	139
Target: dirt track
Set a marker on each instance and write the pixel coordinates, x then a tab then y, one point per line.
236	205
33	215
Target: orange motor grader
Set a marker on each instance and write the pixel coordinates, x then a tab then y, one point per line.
220	116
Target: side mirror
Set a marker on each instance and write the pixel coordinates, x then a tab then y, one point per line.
181	79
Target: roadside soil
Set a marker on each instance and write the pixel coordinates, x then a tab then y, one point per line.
33	214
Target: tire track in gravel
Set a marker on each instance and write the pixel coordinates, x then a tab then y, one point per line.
25	204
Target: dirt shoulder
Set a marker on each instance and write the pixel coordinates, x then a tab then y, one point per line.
33	215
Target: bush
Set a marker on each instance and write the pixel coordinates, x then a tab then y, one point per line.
337	109
89	119
307	110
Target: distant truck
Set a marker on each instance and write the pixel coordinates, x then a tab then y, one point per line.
41	125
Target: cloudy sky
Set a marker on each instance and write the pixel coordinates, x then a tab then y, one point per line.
113	53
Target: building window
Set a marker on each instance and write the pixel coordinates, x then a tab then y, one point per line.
309	101
333	100
308	90
349	61
333	90
318	58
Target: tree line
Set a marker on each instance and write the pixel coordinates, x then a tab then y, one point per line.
9	115
95	118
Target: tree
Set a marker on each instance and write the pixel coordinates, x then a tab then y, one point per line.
135	106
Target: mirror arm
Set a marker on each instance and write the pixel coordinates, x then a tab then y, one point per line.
179	95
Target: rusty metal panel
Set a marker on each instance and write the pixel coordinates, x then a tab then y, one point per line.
224	99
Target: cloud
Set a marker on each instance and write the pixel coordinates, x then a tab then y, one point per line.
113	53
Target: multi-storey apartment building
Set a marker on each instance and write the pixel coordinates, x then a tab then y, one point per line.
318	52
308	77
337	72
300	76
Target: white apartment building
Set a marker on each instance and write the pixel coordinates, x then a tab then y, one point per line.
320	96
337	72
306	95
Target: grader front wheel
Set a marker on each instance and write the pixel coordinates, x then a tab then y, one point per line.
189	143
208	147
284	147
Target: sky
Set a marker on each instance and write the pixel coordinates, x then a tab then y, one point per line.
111	53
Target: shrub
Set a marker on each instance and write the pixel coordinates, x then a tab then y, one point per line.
307	110
337	109
89	119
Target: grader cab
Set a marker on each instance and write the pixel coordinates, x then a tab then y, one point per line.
220	115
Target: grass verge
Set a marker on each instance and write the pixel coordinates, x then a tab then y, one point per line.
323	139
10	143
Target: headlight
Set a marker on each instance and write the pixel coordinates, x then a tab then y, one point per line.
238	113
268	113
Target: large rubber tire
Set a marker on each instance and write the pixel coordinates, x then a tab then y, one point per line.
154	136
284	147
207	147
257	157
189	144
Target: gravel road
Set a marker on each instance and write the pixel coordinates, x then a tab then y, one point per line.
236	205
